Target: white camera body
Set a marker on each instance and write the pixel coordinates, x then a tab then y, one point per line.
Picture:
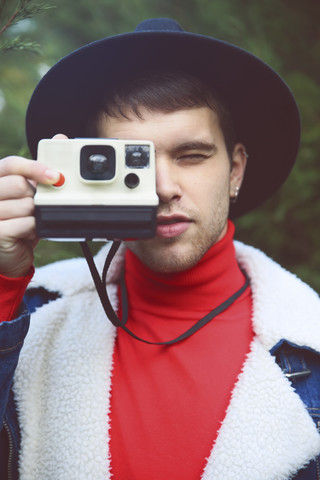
108	190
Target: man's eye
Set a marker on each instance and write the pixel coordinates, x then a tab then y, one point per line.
192	157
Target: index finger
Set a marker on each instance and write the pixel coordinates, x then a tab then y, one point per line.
29	169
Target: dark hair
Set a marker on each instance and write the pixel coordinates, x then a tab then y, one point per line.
161	91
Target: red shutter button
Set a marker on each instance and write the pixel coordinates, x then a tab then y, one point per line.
60	182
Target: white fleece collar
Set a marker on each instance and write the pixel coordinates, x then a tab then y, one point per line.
284	306
62	387
267	433
63	381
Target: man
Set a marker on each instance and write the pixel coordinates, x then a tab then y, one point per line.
87	400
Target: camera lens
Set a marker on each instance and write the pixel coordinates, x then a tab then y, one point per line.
137	156
97	162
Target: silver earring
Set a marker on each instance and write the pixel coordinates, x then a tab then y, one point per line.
235	195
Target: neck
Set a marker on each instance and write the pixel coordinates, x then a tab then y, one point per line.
207	284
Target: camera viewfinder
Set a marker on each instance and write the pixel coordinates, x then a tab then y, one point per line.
137	156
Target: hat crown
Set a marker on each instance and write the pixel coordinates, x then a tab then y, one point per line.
159	24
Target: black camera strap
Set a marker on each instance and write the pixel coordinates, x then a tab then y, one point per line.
100	283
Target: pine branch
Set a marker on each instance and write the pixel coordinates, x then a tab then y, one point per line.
27	9
9	23
24	9
19	45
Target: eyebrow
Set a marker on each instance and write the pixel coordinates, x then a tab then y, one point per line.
196	145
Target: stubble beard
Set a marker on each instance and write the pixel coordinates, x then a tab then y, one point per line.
180	254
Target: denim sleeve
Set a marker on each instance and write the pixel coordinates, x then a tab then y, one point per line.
12	335
302	366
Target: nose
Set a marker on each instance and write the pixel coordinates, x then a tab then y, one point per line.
167	180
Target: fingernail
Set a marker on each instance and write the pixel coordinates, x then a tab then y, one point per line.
52	175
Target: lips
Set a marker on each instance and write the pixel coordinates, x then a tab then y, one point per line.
171	226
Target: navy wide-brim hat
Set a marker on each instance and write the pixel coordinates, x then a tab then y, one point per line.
265	114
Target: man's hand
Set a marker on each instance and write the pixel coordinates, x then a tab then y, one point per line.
18	179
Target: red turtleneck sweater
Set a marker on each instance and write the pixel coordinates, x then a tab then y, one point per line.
168	402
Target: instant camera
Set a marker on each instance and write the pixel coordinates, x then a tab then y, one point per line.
107	190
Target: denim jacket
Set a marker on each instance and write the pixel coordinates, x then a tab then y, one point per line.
300	363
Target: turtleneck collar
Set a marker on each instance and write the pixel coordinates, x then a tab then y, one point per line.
216	277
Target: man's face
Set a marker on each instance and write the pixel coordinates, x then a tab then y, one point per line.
194	182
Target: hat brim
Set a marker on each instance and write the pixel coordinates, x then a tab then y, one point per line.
265	114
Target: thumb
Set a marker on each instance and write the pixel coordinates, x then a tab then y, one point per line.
60	136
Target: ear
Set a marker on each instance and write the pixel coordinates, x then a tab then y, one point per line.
238	168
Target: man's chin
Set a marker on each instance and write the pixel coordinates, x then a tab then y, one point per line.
167	258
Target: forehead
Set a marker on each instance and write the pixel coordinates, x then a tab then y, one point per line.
163	127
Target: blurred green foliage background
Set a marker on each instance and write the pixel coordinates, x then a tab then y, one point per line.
284	33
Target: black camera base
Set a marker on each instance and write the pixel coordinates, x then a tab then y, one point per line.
65	222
